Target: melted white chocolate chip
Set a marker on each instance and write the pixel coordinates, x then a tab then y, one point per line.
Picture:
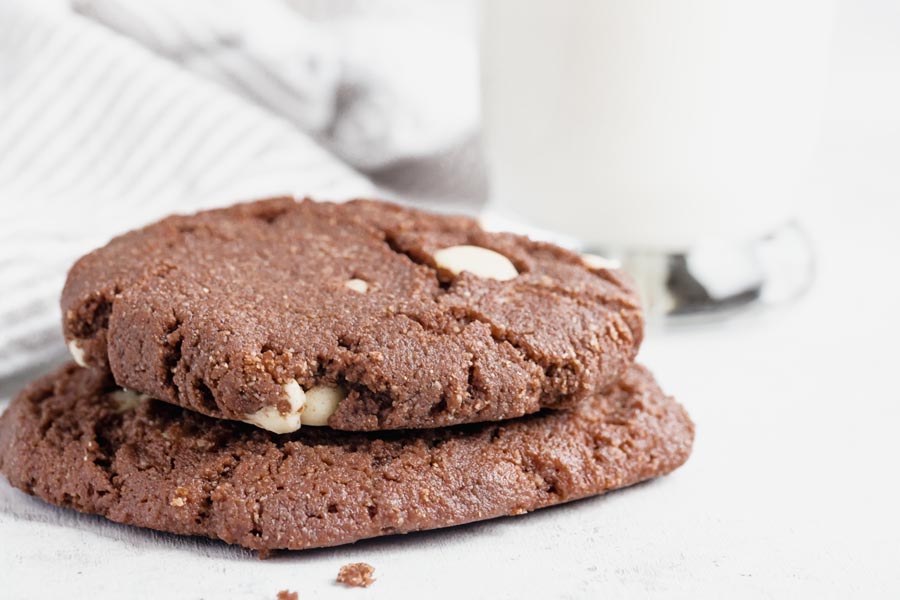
595	261
477	261
357	285
271	419
321	402
126	399
77	353
312	407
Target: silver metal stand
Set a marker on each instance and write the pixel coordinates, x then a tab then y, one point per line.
717	281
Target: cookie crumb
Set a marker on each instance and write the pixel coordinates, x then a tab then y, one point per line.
356	575
286	595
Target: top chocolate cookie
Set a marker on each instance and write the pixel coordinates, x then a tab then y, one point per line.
361	316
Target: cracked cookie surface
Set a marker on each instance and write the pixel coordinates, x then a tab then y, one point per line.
223	312
68	439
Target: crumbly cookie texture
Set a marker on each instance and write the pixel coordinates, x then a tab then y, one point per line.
356	575
420	320
66	439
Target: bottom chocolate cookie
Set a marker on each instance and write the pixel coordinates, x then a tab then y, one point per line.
75	440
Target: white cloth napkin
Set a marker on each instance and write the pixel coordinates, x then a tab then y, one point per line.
373	83
116	112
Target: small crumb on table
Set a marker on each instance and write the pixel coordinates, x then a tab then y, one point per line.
286	595
356	575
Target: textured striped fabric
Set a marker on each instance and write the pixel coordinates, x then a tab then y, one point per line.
99	135
377	82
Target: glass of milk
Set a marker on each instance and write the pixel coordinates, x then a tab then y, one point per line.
656	129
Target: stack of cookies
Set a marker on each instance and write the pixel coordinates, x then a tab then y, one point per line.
288	375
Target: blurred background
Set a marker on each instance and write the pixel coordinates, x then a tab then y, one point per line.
739	159
683	141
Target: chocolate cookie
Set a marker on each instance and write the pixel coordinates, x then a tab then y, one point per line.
74	440
364	316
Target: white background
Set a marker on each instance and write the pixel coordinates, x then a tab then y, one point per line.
792	489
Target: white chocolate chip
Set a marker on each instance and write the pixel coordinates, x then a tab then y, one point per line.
357	285
595	261
477	261
271	419
126	399
77	353
321	402
295	395
312	407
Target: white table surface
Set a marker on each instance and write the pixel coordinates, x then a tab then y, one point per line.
792	489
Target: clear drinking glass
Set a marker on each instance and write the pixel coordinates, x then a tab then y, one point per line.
674	135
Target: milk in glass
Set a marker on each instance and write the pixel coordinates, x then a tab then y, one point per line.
652	124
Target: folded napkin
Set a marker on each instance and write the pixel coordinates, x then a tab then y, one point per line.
374	81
